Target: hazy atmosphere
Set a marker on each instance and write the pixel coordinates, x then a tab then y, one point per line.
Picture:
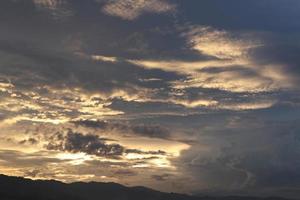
186	96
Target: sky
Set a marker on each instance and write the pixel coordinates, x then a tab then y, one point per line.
187	96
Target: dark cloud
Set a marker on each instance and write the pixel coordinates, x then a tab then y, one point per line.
150	131
154	131
92	124
136	151
90	144
75	142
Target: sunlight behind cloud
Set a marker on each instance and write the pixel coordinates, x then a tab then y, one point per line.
132	9
231	67
220	44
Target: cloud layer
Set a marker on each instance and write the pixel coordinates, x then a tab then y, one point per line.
123	91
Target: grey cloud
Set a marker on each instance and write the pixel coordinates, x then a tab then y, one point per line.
66	69
147	108
31	141
125	173
12	158
57	9
162	177
107	164
31	173
238	69
247	165
280	53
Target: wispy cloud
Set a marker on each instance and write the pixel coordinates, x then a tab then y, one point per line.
132	9
58	9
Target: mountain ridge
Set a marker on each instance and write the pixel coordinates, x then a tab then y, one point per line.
17	188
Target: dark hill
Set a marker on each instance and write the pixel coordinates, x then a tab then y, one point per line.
15	188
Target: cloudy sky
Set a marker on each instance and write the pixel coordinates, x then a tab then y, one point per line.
189	96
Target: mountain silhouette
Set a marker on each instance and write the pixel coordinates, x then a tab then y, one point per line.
17	188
